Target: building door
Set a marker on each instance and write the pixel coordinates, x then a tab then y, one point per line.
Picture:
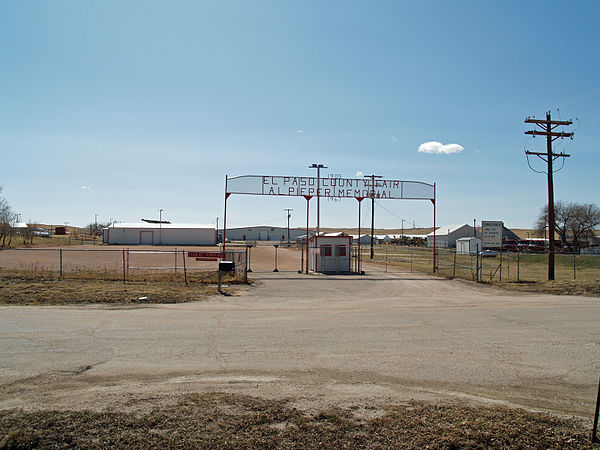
147	237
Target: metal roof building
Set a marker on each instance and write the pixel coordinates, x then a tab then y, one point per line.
446	236
159	234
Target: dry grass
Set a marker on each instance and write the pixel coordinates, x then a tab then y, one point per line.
47	288
574	287
579	275
220	421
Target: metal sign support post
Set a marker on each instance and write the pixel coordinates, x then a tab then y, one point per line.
360	199
434	247
307	197
227	194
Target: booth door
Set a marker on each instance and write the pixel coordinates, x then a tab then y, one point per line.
342	258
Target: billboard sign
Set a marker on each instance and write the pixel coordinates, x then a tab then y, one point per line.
492	233
332	187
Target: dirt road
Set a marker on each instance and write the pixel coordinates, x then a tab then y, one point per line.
318	340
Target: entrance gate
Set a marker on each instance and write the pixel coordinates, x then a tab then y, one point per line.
336	188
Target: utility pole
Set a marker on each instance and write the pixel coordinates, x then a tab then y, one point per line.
289	214
318	167
546	130
372	177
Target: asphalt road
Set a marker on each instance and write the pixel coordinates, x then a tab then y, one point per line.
382	337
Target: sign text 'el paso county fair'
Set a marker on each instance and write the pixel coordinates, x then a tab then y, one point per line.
329	187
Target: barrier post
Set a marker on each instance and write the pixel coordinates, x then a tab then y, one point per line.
124	266
60	261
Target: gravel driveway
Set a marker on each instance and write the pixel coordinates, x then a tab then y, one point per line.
318	340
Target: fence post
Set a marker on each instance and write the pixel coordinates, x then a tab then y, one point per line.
518	266
127	261
595	427
60	261
386	257
454	268
411	258
175	260
124	266
574	267
184	267
246	266
477	263
500	265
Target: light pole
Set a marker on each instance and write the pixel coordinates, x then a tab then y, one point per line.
160	211
289	214
318	167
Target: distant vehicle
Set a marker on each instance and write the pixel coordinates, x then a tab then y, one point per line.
488	254
42	232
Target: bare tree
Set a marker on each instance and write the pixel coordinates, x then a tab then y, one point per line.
7	221
574	222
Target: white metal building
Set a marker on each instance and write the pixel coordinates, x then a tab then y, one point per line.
159	234
468	246
446	236
330	253
262	233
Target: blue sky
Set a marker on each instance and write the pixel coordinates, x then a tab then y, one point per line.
123	108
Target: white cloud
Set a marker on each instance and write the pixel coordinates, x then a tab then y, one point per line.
394	139
300	131
85	188
359	174
438	148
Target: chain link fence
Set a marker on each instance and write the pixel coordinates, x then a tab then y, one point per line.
123	262
494	266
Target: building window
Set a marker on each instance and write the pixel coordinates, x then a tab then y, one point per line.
340	250
325	250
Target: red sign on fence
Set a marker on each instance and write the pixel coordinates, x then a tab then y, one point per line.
220	255
206	259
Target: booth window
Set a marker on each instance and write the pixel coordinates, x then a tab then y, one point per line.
340	250
325	250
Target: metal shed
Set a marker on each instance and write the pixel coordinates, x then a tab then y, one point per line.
159	234
468	246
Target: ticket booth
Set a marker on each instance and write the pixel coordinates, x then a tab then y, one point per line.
329	253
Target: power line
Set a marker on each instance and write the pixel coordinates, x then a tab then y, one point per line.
580	97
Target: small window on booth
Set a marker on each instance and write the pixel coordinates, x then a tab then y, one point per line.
340	250
325	250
